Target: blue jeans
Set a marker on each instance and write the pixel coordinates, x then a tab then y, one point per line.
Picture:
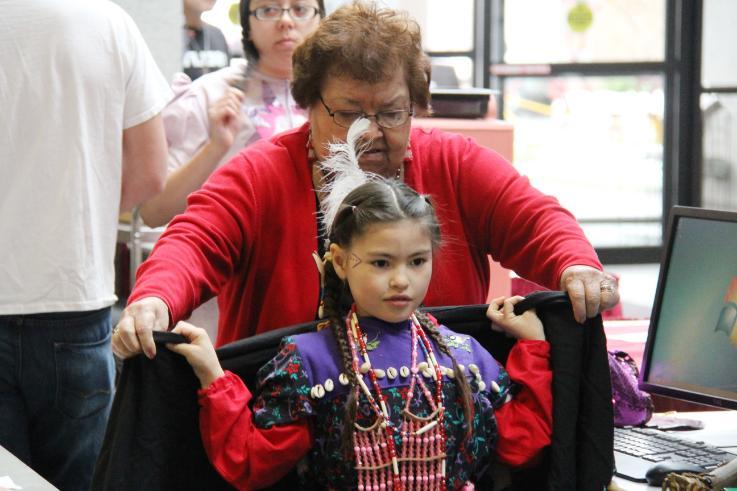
56	389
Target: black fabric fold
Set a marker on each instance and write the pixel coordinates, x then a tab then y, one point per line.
582	450
152	439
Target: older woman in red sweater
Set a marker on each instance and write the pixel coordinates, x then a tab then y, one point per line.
251	234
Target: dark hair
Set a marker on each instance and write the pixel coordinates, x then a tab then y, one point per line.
249	49
363	42
380	201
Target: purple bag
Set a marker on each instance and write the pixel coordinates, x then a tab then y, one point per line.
631	405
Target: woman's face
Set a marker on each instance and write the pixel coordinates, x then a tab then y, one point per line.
276	40
389	146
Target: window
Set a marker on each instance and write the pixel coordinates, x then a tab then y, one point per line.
585	85
589	140
594	31
447	36
718	104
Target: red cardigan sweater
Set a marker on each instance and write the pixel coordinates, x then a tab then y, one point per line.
249	233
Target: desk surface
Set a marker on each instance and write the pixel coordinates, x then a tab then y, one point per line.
21	474
720	429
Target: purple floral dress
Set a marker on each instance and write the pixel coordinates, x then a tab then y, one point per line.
287	393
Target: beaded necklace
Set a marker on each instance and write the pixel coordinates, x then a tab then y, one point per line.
421	463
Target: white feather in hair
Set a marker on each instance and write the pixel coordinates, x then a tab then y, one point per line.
342	172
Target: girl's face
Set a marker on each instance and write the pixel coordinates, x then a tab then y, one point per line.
388	269
276	40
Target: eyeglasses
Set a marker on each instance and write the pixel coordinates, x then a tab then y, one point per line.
298	13
385	119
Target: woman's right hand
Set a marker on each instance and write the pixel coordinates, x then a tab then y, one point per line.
133	333
225	119
199	353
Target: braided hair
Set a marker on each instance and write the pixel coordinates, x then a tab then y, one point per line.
378	201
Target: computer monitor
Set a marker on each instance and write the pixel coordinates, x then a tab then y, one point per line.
691	349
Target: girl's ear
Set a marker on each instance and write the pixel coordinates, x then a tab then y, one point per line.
340	257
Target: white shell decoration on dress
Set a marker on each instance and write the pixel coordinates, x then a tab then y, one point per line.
317	392
495	387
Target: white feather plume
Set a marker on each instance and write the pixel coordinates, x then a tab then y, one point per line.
341	171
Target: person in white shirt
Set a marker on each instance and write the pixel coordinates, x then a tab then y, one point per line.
81	139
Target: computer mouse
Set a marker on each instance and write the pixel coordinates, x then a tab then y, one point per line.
656	474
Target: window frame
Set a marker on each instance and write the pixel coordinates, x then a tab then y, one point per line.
479	55
698	91
681	72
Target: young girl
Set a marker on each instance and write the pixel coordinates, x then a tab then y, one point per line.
385	398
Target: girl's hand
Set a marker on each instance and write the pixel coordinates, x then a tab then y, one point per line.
199	352
525	326
225	119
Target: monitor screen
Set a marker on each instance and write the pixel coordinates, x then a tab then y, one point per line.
691	349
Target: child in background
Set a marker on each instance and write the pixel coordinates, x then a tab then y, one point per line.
385	398
215	117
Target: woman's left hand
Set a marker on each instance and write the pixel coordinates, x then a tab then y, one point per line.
525	326
591	291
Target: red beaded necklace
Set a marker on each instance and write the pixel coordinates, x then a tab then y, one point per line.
420	469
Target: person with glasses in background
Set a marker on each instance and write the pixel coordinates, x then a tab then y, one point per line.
217	115
220	113
252	236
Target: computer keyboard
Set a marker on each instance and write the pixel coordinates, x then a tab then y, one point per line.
638	449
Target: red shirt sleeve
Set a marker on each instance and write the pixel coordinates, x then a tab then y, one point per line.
247	457
524	229
525	423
